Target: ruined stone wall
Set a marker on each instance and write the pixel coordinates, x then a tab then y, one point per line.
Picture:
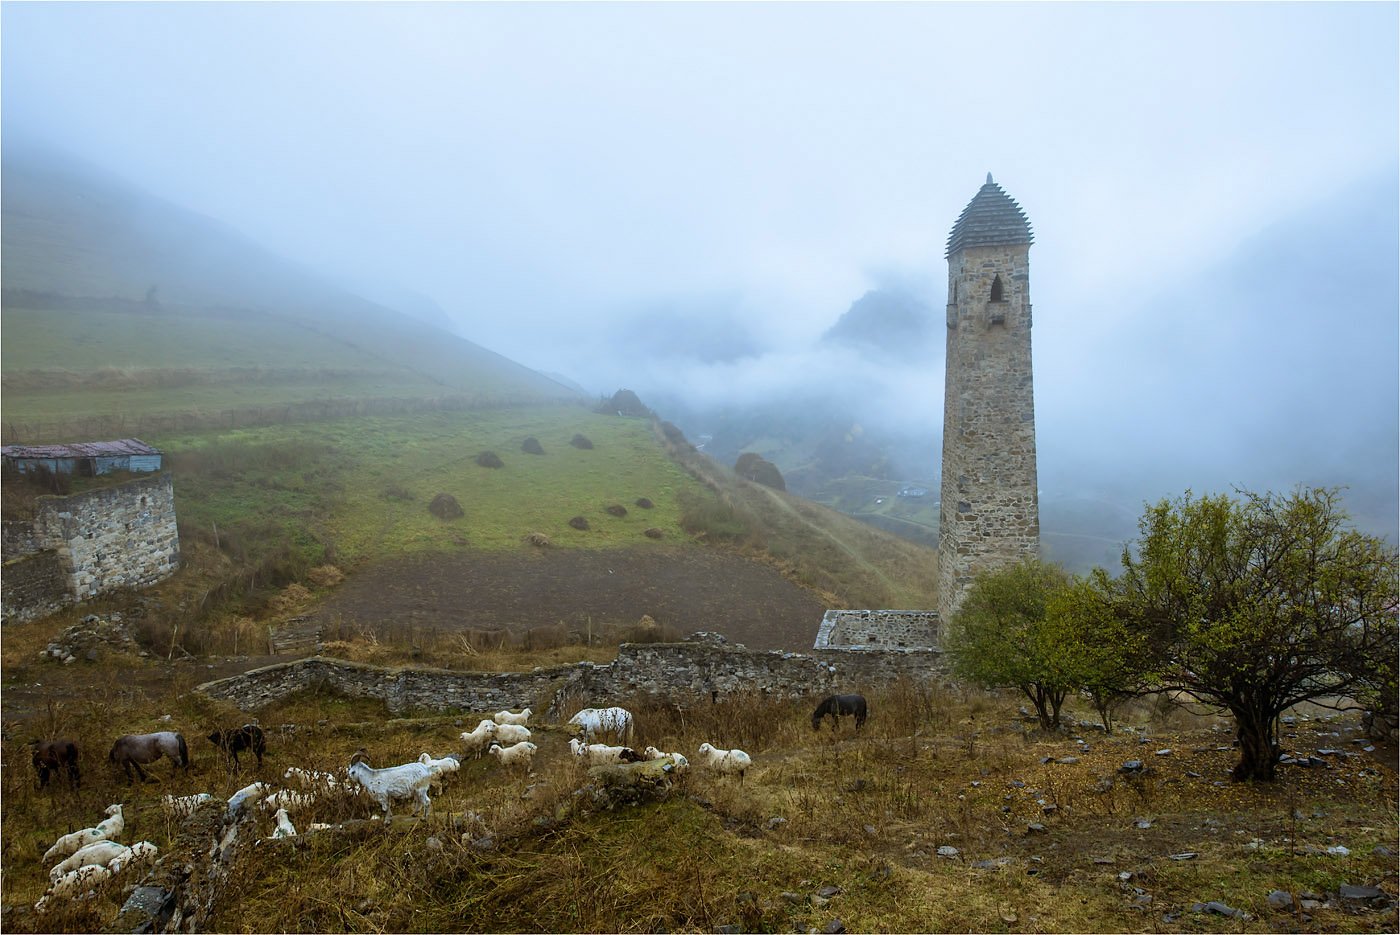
878	630
33	586
18	538
115	537
990	513
692	671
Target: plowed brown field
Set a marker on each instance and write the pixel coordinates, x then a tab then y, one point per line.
688	589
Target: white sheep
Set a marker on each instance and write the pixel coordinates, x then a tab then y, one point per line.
75	883
477	738
106	830
651	753
597	753
246	796
726	761
287	799
141	850
285	828
182	806
411	780
506	717
595	721
520	754
507	734
447	764
98	852
314	780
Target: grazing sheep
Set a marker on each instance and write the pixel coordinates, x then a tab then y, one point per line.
246	796
288	798
98	852
507	734
651	753
448	764
726	761
478	738
314	780
598	754
285	829
182	806
593	722
411	780
141	850
506	717
105	830
520	754
74	884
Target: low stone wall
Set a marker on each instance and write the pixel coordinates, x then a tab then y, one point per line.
697	670
17	538
33	586
879	630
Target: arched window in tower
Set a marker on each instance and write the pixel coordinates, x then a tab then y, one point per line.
996	289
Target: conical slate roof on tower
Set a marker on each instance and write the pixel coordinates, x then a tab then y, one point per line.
992	217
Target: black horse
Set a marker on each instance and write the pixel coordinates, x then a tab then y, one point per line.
235	741
55	756
838	705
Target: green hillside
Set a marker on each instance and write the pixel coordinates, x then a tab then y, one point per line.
123	314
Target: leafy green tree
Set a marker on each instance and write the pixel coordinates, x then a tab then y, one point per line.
1112	662
999	637
1259	603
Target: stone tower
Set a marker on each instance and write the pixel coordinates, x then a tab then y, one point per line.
990	515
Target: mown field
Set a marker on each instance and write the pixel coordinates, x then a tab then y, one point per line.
949	812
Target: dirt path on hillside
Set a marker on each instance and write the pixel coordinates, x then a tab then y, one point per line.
688	589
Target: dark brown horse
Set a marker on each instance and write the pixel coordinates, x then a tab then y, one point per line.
235	741
51	756
135	749
837	706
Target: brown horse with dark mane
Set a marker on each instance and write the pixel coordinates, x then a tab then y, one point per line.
51	756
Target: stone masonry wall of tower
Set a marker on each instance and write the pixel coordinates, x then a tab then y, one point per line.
990	514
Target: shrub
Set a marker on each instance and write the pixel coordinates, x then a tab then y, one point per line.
532	446
578	522
489	459
616	509
759	470
325	576
537	539
396	492
623	403
581	442
445	506
673	434
644	503
653	533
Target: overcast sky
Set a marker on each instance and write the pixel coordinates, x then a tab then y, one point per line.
540	170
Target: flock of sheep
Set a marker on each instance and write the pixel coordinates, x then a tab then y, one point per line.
90	857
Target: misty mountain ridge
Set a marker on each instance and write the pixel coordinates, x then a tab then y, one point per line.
890	323
73	230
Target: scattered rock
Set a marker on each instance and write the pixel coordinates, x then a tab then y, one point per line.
826	892
445	506
1365	893
1165	751
776	822
995	863
1339	851
1279	899
794	899
947	850
1184	855
870	830
433	844
1221	909
1380	850
834	927
1142	824
1067	760
1131	766
1035	827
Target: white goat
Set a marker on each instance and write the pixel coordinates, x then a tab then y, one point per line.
447	764
183	806
75	883
506	717
520	754
478	738
288	798
246	796
597	753
409	781
651	753
285	829
98	852
726	761
106	830
507	734
595	721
